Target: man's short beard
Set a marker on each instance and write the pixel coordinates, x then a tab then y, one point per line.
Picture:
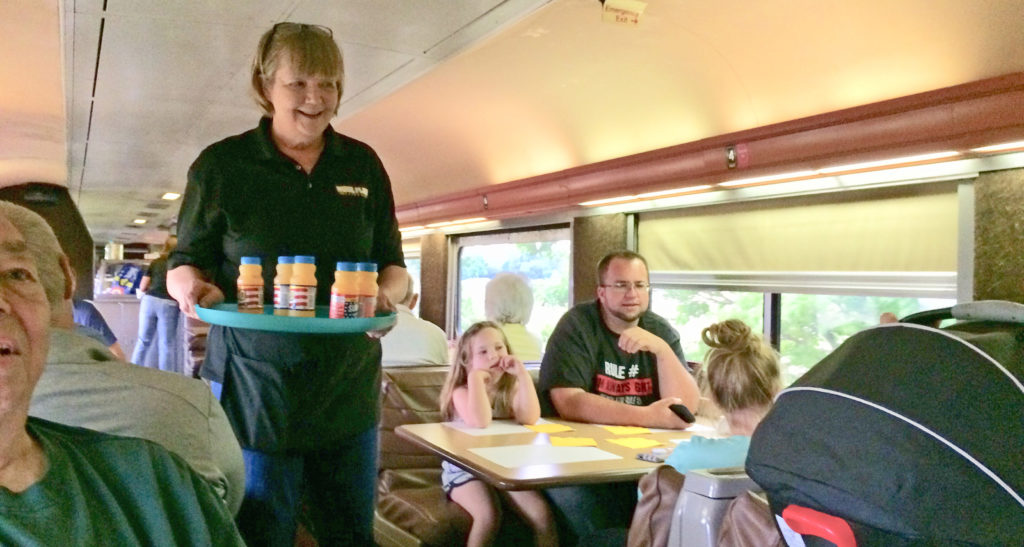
623	317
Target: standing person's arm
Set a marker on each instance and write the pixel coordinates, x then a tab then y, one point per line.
200	231
187	285
387	248
391	282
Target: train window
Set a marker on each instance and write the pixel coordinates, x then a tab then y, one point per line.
817	310
814	325
690	310
542	256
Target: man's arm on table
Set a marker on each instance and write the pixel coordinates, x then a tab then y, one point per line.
573	403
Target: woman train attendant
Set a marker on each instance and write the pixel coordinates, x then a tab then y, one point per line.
304	407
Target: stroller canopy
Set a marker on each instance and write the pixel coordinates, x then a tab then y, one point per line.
905	430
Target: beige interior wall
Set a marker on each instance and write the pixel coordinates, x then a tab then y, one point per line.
999	236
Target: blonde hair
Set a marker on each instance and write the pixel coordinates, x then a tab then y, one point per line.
458	374
169	244
312	50
742	370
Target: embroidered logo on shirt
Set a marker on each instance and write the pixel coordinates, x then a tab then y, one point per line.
360	191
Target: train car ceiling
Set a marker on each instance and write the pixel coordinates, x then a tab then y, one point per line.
535	104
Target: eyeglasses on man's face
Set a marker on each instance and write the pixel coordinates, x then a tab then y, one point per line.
623	287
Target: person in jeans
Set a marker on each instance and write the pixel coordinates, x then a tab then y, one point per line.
159	318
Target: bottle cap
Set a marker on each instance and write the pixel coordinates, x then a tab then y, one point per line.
303	259
346	266
366	267
285	259
251	260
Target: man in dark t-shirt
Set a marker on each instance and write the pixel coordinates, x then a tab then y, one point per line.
612	360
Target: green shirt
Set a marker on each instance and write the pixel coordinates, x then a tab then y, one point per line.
102	489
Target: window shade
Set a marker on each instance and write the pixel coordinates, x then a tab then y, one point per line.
905	233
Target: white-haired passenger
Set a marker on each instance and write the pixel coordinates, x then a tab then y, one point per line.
508	301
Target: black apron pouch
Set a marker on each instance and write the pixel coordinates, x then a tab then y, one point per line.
259	403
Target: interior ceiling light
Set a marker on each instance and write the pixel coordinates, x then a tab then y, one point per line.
412	229
646	196
769	178
139	221
674	192
607	201
409	234
456	222
1004	147
170	196
889	162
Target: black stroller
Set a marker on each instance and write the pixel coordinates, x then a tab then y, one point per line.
905	434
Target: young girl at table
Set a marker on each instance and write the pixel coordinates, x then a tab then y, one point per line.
742	378
486	382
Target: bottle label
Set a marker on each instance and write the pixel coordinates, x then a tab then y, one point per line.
250	297
303	297
367	305
344	306
282	296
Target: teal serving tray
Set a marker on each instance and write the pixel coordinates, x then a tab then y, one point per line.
228	315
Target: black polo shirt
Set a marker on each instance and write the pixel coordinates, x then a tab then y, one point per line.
289	392
245	198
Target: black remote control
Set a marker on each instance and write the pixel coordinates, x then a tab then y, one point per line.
683	413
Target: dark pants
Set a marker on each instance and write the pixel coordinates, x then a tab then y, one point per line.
337	487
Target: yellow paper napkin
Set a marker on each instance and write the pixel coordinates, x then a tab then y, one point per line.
549	428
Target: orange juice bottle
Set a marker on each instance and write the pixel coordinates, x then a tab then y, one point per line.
250	285
282	281
302	287
367	288
344	294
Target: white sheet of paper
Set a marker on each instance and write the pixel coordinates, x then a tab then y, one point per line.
696	428
497	427
701	428
542	454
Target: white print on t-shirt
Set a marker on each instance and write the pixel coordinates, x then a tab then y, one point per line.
619	371
614	370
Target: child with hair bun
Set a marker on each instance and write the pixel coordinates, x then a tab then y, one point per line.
742	373
487	382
